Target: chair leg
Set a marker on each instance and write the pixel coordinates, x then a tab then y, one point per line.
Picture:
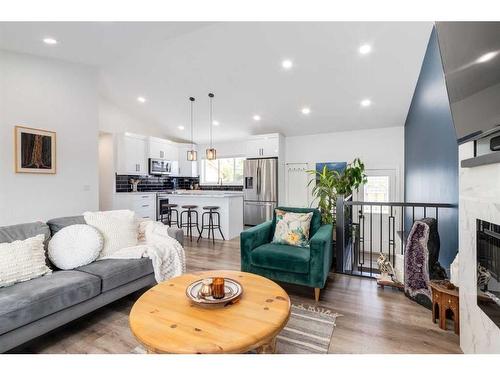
218	225
202	225
211	224
316	294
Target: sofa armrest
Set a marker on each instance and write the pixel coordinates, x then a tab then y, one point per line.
321	254
176	233
253	238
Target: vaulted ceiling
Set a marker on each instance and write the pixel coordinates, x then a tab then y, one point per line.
166	62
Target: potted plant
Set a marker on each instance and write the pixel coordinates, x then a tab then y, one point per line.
329	184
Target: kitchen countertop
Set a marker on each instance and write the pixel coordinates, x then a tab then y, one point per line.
193	193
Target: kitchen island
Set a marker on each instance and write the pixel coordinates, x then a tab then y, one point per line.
230	209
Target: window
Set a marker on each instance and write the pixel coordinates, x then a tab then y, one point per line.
229	171
376	189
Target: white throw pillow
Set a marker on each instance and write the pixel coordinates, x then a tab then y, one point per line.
118	229
75	246
22	260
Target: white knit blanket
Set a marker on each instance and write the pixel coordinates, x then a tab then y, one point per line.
166	253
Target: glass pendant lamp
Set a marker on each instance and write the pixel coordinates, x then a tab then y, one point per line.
192	155
211	153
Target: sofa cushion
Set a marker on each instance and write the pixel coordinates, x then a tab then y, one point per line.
26	302
117	272
281	257
22	232
59	223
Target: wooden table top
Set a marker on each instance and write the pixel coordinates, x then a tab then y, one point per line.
165	321
441	288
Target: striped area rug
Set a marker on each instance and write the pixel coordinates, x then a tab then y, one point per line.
308	331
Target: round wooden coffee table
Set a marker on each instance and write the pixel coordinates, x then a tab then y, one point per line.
165	321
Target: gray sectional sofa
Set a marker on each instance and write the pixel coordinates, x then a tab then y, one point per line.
35	307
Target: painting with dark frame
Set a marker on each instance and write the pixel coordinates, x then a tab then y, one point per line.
35	150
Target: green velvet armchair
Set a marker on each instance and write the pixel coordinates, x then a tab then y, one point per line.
291	264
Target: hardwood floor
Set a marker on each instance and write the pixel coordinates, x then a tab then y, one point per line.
373	320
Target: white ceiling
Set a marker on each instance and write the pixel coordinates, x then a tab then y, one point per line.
241	63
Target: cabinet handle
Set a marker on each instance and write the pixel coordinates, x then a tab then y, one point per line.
138	167
145	205
144	196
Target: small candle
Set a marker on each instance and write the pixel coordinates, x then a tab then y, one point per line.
218	287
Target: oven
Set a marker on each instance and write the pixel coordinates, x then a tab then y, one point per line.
159	167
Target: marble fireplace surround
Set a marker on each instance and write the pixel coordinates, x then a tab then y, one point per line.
479	199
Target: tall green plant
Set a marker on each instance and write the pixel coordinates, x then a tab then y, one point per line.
329	183
352	177
324	193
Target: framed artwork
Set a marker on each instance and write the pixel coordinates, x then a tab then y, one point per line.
332	166
35	150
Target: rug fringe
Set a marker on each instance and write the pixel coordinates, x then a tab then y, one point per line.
317	309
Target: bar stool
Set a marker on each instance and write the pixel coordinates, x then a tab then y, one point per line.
168	209
189	223
212	212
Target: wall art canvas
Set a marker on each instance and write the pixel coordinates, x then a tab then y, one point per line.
332	166
35	150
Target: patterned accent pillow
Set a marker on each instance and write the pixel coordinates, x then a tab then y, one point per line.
292	228
22	260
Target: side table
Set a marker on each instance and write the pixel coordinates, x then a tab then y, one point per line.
444	299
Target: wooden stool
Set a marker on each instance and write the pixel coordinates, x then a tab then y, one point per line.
444	299
168	209
190	223
212	212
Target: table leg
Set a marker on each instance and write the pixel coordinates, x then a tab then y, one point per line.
442	316
457	322
268	348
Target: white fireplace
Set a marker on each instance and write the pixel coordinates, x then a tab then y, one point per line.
479	199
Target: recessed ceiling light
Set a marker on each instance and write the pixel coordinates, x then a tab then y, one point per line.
487	57
256	117
180	127
215	123
141	99
365	49
287	64
305	110
50	41
366	103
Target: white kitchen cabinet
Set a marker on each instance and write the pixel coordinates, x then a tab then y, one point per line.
131	151
187	168
263	146
143	204
162	149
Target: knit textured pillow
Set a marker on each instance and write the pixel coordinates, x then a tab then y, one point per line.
22	260
118	229
75	246
292	228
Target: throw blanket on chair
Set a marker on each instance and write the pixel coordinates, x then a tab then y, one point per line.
165	252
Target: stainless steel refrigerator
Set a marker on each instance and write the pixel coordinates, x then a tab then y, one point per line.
261	190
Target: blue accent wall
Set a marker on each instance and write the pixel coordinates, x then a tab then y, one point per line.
431	151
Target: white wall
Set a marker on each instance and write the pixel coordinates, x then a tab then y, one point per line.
113	120
57	96
381	148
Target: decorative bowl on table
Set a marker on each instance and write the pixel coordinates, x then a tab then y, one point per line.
232	292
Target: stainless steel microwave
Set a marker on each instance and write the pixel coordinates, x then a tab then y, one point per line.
159	166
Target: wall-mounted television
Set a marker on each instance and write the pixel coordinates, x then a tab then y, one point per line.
470	52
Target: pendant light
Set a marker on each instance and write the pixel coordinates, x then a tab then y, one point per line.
211	152
192	155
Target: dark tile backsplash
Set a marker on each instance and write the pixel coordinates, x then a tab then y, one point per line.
154	183
222	187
